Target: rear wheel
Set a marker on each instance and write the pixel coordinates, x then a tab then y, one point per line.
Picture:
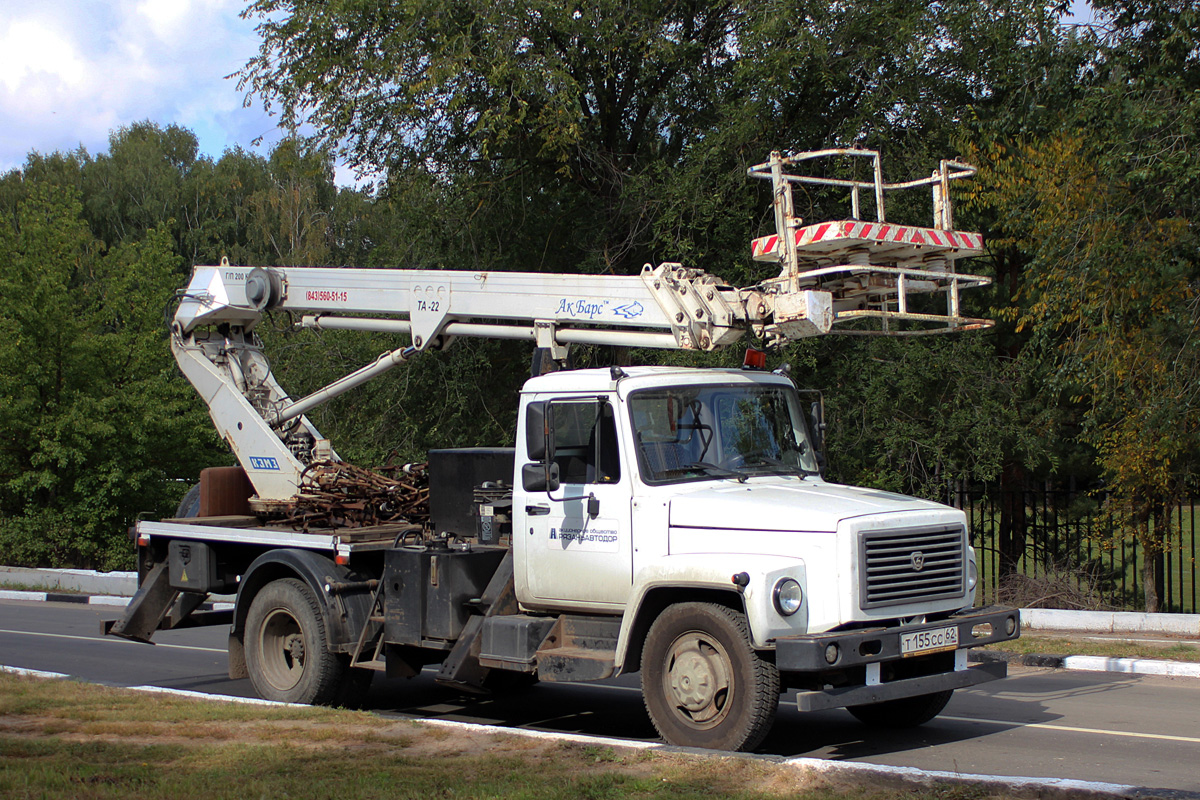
703	683
907	712
286	651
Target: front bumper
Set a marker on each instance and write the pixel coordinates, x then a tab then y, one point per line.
872	647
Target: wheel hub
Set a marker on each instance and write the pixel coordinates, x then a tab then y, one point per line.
283	650
294	649
699	678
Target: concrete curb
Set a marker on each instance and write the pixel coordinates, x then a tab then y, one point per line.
1133	666
86	581
1053	619
60	597
1128	666
92	599
118	587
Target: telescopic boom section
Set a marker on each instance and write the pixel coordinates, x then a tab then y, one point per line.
832	273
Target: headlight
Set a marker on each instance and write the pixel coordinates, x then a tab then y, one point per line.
788	596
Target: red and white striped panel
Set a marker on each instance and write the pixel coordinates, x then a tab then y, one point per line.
830	236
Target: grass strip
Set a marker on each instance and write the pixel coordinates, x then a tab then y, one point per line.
64	739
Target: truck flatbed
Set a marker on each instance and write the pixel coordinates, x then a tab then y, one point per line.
249	530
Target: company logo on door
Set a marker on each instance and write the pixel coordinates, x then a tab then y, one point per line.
595	538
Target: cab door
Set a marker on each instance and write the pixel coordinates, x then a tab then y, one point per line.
578	540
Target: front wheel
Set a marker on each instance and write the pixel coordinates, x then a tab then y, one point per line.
703	683
907	712
286	652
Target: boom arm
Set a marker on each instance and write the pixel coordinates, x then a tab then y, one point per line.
831	273
668	307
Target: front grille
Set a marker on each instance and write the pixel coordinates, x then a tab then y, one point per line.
912	565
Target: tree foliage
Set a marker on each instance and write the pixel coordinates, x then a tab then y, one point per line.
1102	203
94	423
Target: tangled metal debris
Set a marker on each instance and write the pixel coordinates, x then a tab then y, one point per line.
334	494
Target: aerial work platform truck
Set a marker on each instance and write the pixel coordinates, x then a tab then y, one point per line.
666	521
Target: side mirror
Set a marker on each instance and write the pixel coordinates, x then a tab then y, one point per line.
816	415
816	423
539	432
540	477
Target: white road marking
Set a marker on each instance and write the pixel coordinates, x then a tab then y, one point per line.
115	640
1069	729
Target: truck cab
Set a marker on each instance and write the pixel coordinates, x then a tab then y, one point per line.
663	474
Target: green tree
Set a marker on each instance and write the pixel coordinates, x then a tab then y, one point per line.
926	417
290	215
95	425
1102	203
216	211
137	185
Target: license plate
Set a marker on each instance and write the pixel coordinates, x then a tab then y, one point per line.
930	641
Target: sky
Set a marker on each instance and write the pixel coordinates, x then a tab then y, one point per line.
73	71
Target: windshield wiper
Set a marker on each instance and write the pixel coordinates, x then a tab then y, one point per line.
776	466
740	477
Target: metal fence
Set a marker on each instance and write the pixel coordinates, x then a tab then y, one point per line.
1071	555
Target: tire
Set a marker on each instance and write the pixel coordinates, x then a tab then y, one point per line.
703	683
189	506
286	652
907	712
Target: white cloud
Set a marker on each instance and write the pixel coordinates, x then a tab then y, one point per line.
168	19
71	71
33	53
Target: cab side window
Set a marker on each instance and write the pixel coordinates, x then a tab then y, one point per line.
585	441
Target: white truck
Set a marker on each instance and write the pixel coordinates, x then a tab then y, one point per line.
667	521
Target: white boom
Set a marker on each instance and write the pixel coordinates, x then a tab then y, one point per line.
831	273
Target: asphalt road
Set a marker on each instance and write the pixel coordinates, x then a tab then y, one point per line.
1124	729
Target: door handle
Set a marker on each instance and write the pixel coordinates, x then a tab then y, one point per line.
537	511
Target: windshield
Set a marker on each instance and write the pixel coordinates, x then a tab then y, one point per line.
689	433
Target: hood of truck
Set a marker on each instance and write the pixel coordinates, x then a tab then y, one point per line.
772	506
